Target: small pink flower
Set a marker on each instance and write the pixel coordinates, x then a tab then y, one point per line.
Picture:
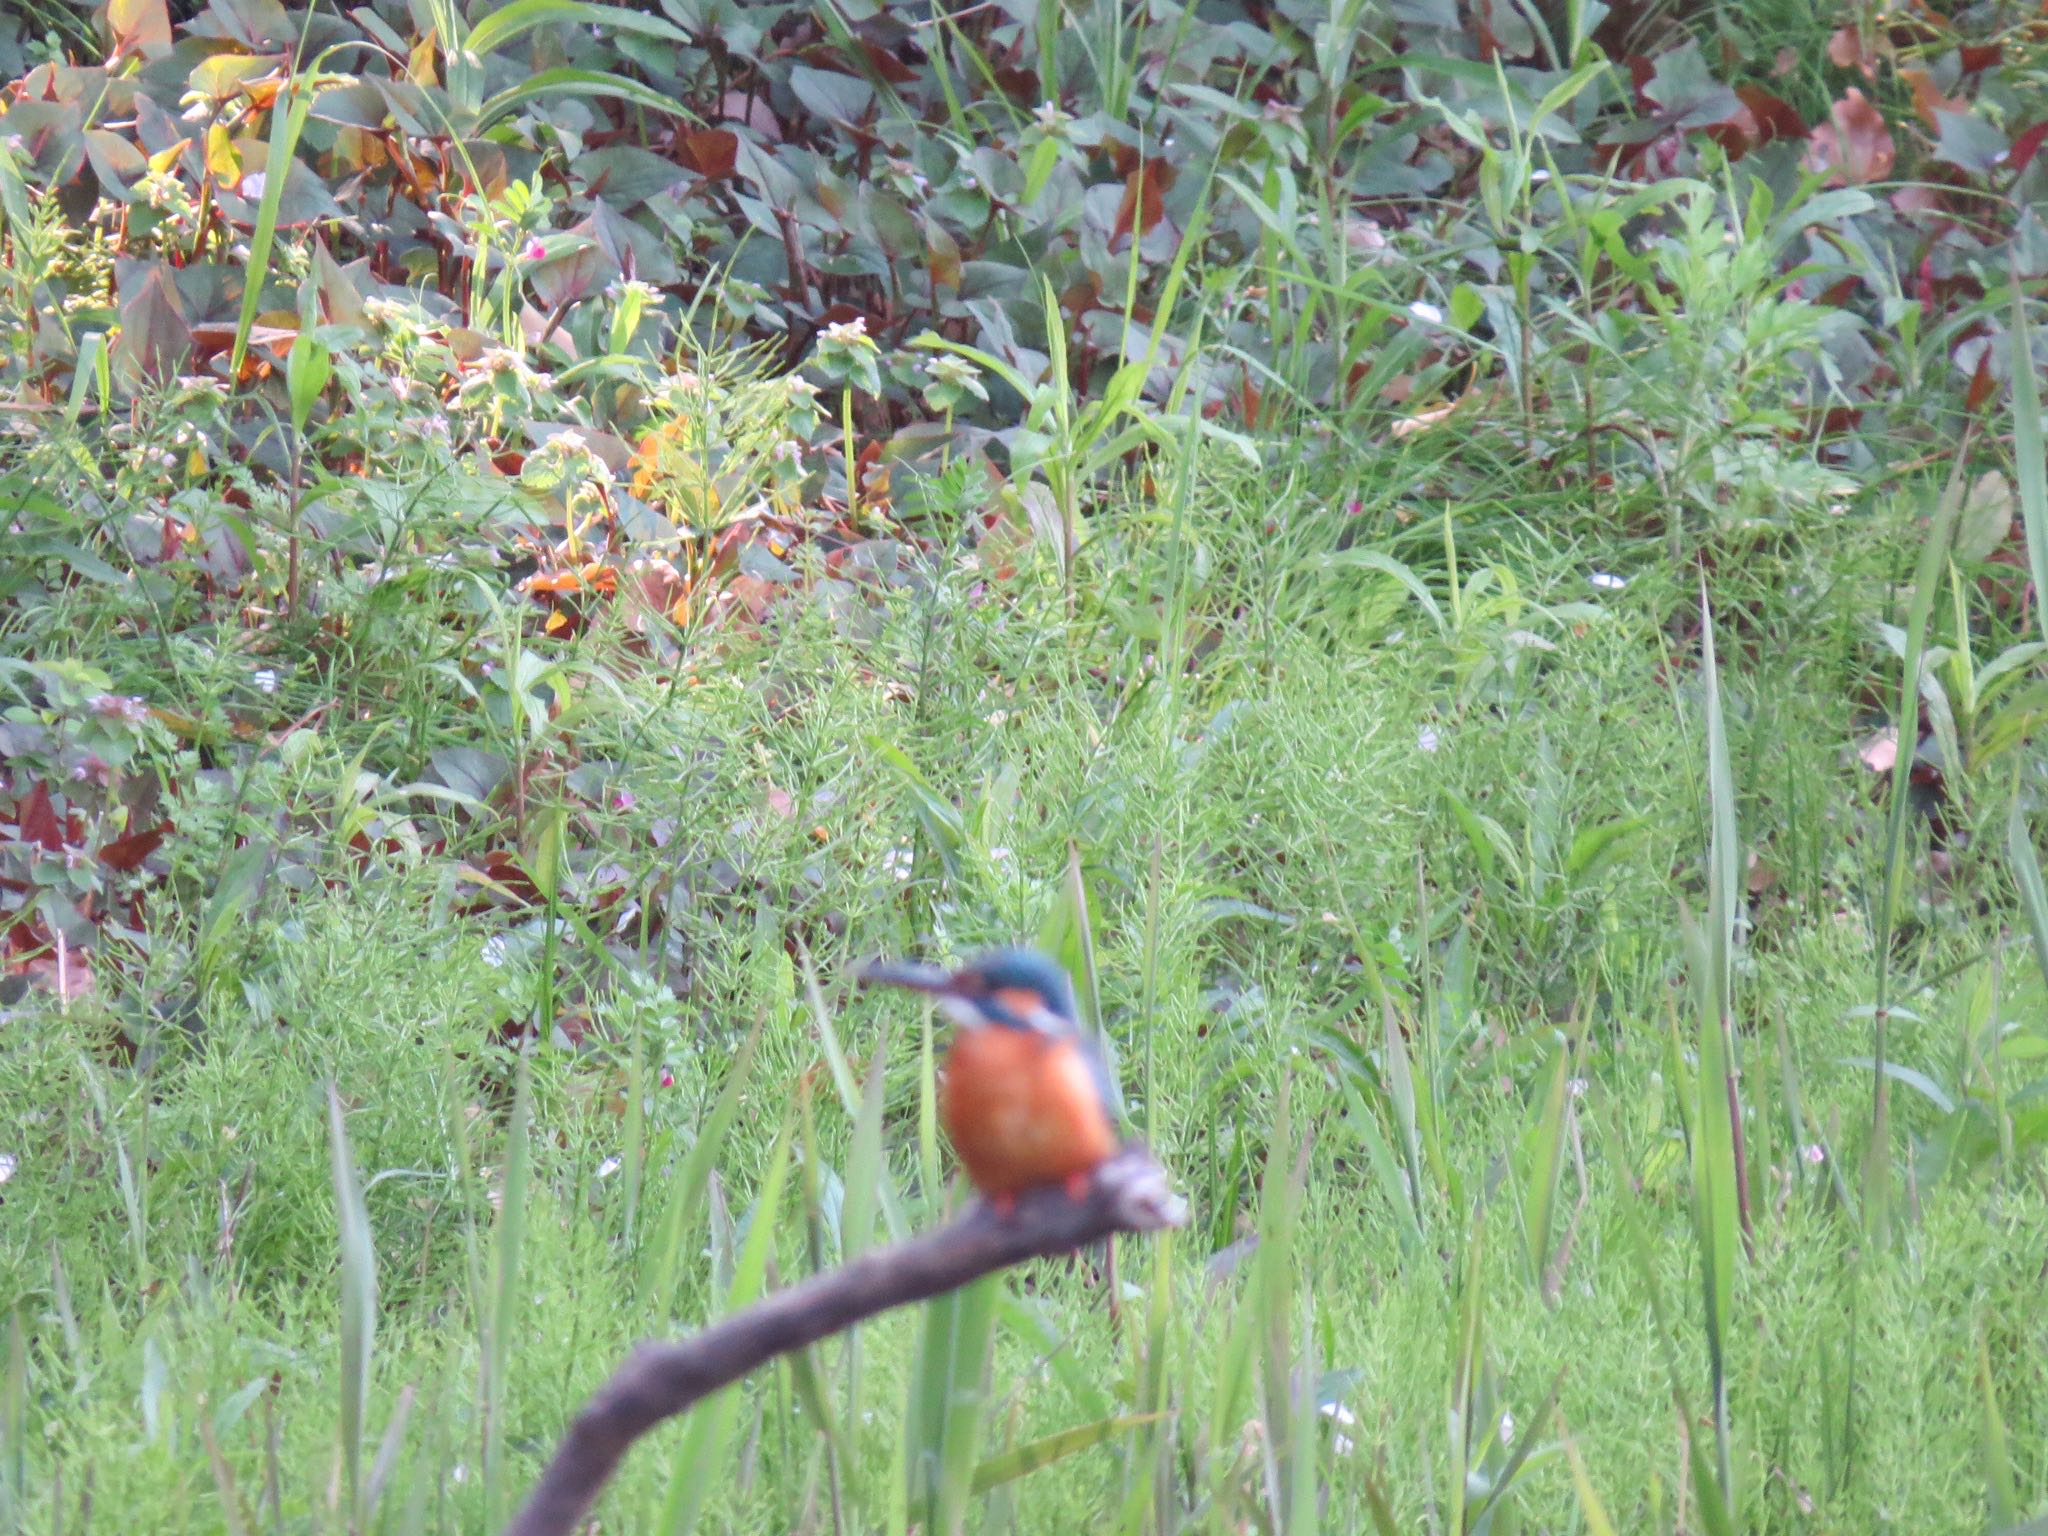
668	1078
535	251
623	800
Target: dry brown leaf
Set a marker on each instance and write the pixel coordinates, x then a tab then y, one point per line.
1854	146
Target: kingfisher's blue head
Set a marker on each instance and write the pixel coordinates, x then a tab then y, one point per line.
1010	988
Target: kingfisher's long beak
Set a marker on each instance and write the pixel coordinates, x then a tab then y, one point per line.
913	974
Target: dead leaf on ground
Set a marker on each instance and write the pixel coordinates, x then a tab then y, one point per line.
1854	146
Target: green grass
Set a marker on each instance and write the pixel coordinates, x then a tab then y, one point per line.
1415	834
1247	832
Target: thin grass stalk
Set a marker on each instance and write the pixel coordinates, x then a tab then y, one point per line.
1877	1165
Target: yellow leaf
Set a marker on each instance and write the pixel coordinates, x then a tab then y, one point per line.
222	163
419	69
164	159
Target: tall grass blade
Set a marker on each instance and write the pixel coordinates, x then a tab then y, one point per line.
1033	1455
1724	890
663	1255
358	1300
2026	869
961	1391
501	1318
2001	1494
1543	1164
853	1099
1877	1165
14	1428
289	113
702	1460
2030	462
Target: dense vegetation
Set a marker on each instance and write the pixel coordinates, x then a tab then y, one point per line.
1475	570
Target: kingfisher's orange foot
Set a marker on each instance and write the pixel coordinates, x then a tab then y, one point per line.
1077	1186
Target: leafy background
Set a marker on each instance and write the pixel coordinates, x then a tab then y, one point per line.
617	510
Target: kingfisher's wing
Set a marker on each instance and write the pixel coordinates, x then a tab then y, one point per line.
1098	1069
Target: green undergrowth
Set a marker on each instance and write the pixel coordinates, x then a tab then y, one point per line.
1492	808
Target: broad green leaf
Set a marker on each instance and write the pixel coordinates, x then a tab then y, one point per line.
515	20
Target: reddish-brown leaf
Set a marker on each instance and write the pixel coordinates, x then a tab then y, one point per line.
1845	49
1854	146
1982	385
67	975
1768	117
1927	97
1144	201
139	27
2026	146
710	152
1020	84
505	868
942	255
1641	71
127	853
38	821
747	108
154	340
887	65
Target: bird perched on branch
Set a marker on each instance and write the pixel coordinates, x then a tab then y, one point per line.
1026	1098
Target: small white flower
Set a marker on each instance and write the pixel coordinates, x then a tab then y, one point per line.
117	706
1607	581
1428	314
608	1167
999	855
1507	1427
1576	1087
1813	1152
265	679
8	1163
1426	739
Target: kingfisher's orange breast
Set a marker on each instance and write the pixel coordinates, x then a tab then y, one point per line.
1023	1108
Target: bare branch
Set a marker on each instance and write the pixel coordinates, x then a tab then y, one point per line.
1129	1193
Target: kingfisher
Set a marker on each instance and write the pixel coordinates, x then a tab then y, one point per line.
1026	1098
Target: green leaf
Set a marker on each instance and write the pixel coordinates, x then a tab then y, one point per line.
1969	143
1375	560
296	100
939	816
826	93
579	82
507	22
1043	1452
307	368
1591	848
